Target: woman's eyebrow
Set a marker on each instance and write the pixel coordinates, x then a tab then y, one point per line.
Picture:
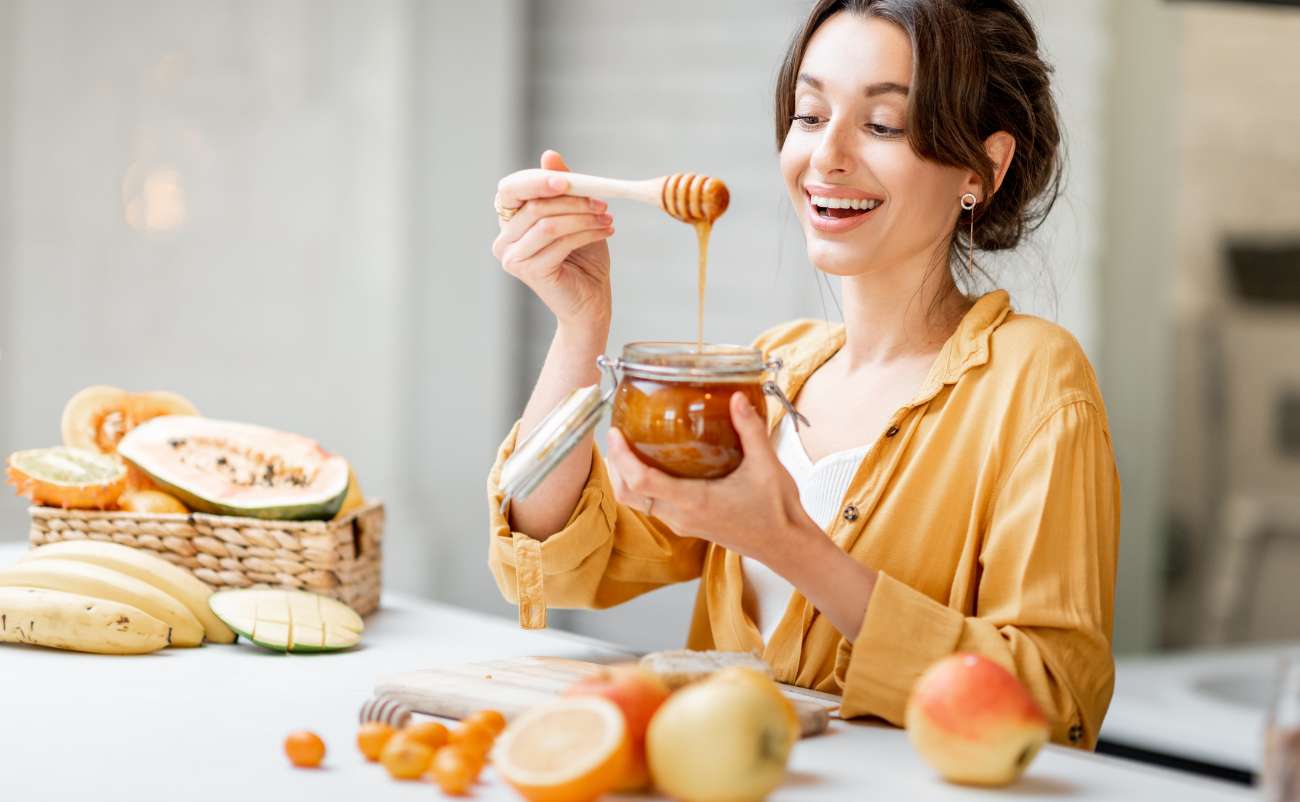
872	90
885	88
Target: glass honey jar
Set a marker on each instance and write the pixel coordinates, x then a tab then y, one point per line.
671	401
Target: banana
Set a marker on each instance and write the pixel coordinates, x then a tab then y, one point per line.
170	579
79	623
103	583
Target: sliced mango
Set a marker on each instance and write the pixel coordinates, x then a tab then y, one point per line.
289	620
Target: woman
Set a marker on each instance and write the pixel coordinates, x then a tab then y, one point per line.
956	490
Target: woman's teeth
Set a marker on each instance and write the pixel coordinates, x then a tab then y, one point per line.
846	207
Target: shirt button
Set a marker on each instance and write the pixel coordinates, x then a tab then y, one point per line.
1075	734
893	430
850	513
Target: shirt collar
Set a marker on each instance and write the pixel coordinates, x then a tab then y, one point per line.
967	348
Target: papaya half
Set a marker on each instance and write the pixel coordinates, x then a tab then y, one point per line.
239	469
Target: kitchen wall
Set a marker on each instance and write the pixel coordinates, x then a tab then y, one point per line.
200	193
1234	361
264	207
1139	187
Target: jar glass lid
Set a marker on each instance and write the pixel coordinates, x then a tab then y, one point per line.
552	440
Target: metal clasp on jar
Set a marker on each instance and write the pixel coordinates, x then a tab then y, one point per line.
611	367
770	388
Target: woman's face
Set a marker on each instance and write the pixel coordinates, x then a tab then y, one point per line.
848	143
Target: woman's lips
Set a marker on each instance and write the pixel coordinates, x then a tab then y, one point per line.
836	225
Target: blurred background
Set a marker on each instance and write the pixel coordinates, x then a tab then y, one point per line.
283	211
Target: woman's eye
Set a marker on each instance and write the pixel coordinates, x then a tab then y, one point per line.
809	121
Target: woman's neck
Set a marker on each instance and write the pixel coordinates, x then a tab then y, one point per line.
892	314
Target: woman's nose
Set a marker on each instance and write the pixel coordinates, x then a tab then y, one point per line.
834	153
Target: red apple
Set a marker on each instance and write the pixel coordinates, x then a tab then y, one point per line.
974	722
638	693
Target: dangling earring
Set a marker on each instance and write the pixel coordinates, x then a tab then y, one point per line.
968	202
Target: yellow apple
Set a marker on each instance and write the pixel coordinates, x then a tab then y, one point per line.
763	682
719	741
974	722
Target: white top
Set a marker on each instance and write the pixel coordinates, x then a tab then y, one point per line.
821	491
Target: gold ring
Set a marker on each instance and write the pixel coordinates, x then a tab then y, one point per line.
505	213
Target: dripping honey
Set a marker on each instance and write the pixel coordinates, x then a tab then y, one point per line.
702	230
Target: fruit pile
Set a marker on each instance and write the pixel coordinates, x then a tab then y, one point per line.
106	598
450	757
152	453
725	738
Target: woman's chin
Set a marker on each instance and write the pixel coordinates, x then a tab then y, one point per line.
836	258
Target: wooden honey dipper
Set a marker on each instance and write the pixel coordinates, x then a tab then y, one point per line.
688	197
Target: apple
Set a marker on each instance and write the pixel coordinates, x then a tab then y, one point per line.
764	683
720	741
974	722
638	693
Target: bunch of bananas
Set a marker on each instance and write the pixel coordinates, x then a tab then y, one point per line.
104	598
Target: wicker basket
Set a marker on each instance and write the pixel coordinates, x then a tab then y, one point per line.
341	559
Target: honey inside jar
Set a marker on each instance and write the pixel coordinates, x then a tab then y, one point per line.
672	405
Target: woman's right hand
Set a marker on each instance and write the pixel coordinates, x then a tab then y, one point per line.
555	244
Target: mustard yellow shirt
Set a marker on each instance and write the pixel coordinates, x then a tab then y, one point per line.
989	505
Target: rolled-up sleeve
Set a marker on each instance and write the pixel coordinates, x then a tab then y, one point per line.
1044	603
605	554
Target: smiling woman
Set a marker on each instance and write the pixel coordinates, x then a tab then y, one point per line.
956	488
964	91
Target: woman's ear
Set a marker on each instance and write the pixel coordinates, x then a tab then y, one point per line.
999	147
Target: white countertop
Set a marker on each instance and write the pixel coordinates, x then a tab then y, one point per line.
207	724
1206	705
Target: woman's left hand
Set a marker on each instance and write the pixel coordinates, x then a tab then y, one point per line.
747	511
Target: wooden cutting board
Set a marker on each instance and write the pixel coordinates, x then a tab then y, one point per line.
515	685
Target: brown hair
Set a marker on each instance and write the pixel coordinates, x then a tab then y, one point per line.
976	71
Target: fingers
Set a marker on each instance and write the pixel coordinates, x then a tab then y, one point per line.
528	267
551	160
519	187
539	209
550	230
622	494
751	426
638	481
525	185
